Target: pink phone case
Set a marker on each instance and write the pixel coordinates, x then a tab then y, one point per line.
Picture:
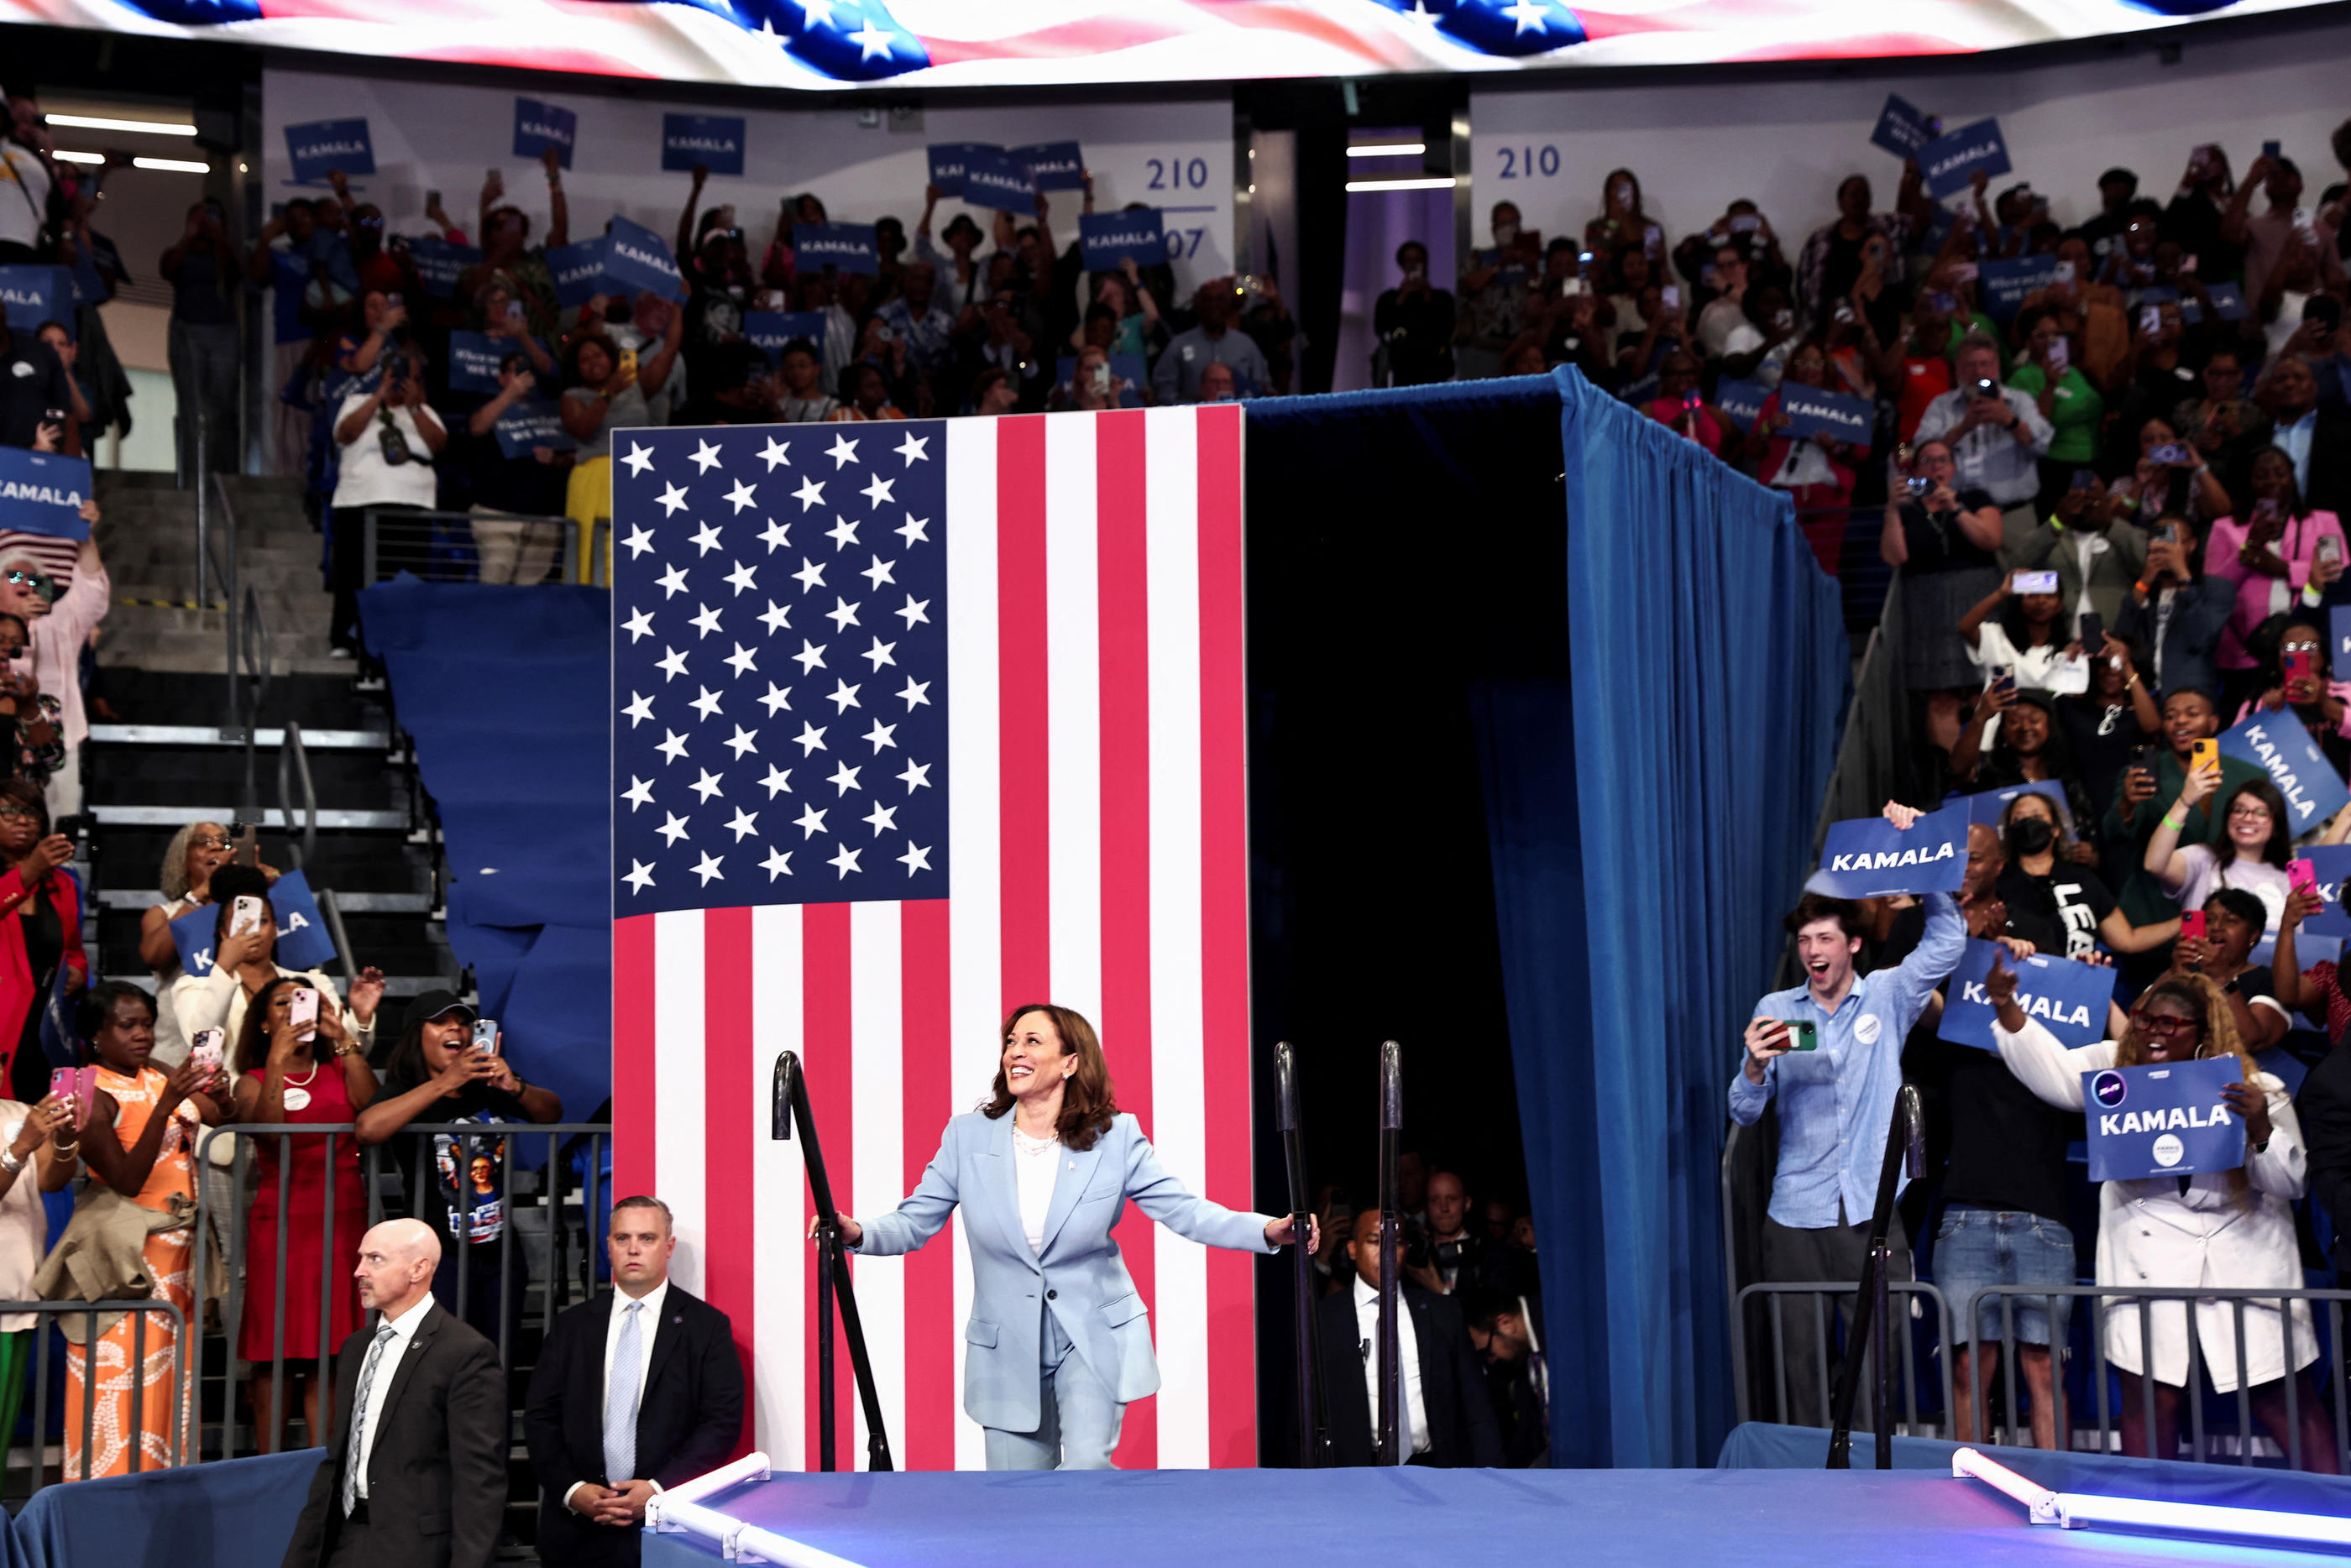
2302	876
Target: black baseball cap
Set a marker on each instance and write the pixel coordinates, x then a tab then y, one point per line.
430	1005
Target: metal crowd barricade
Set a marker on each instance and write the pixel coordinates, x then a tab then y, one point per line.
1823	1294
445	547
504	1142
138	1312
2106	1299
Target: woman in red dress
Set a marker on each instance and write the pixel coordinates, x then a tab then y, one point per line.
311	1074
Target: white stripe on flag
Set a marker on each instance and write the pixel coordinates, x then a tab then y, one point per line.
877	1110
1178	1023
678	1136
779	1259
1073	710
975	937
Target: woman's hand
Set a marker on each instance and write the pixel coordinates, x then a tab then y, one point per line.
2200	784
50	1117
47	856
189	1077
1283	1230
2248	1101
1900	815
2080	852
366	994
286	1043
466	1066
850	1231
2300	905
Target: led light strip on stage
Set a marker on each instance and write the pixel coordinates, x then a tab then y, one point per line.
679	1510
2073	1510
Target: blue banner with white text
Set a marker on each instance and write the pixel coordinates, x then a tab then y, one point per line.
578	272
1812	412
2167	1120
1903	130
540	126
2333	863
845	247
1110	238
1740	401
1052	165
771	331
43	492
34	294
318	149
439	263
637	258
997	180
1868	856
2278	746
303	941
712	140
530	424
1951	163
2067	997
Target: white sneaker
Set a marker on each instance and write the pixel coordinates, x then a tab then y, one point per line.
339	653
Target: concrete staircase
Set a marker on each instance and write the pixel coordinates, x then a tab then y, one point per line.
147	533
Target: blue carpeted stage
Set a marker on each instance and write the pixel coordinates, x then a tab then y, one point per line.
1342	1519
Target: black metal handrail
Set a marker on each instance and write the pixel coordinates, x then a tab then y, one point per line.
1313	1409
788	1101
1394	1441
1906	1143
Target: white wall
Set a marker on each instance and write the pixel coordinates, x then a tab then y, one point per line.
431	136
1786	143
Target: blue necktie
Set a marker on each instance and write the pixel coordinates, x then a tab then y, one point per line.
360	1419
620	1398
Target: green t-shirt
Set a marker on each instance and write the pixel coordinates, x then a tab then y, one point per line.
2076	412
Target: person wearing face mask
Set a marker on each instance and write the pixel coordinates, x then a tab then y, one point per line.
1494	291
2230	1228
2251	852
2054	884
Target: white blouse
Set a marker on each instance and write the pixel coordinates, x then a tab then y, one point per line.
1033	1163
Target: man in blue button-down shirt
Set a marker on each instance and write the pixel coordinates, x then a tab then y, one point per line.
1835	1101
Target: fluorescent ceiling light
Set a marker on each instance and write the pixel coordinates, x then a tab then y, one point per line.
79	157
172	165
1388	150
99	122
1431	183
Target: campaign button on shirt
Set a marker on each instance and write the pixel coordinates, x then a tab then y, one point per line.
1867	1028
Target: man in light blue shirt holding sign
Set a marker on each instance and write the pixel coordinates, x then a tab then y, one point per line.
1833	1076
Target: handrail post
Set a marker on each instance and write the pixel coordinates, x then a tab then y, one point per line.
1393	1439
1313	1413
787	1103
1904	1146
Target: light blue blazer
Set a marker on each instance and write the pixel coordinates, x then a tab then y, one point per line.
1078	1277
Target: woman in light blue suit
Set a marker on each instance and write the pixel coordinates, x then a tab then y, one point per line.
1058	1341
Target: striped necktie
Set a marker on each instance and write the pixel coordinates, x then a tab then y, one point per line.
359	1418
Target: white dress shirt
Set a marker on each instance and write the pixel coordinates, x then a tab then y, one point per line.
1991	458
648	1321
2293	439
404	1329
1367	1324
1034	1160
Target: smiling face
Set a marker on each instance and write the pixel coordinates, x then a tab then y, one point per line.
1827	954
1037	1062
443	1037
2187	718
2170	1028
595	364
2025	727
2250	825
208	850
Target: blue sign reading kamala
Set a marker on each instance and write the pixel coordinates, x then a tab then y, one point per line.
2162	1121
2067	997
712	140
1950	164
1812	412
1868	856
2278	746
43	492
540	126
323	146
845	247
1110	238
997	180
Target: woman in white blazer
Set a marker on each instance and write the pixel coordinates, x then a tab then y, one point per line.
1058	1341
2231	1229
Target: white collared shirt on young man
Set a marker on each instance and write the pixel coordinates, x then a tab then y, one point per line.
1367	1326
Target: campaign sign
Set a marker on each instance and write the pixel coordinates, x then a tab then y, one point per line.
38	294
1868	856
947	161
1052	165
1986	807
2278	746
2341	617
1951	163
1109	238
532	423
540	126
1901	130
323	146
303	941
1127	368
2333	863
1741	401
997	180
2163	1121
712	140
474	360
2001	286
42	493
844	247
2067	997
439	263
637	258
578	271
2227	300
772	331
1812	412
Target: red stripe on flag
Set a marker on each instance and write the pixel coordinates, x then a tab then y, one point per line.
929	1097
1121	573
729	1216
1023	727
1224	915
825	1014
636	1086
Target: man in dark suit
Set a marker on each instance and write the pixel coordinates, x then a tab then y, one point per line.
415	1475
2317	437
1450	1422
639	1388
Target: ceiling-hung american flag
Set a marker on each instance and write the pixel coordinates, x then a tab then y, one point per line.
916	721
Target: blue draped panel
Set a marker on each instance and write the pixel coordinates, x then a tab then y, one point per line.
1709	664
228	1511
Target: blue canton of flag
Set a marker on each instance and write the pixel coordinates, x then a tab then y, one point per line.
779	664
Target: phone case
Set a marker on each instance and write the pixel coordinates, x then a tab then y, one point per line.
302	1008
2301	876
2191	925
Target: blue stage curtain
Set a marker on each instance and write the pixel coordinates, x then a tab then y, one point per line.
1708	665
239	1512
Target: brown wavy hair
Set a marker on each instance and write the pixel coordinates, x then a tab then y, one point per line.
1088	1103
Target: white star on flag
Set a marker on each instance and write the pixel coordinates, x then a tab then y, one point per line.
843	697
778	699
640	876
811	822
911	449
639	792
673	582
776	534
708	869
708	703
639	458
844	778
777	782
1527	14
674	829
809	576
810	656
914	531
709	785
844	615
705	456
638	626
916	777
880	653
917	612
745	577
704	617
673	748
845	861
880	735
809	493
672	662
842	450
917	859
877	492
842	532
705	539
673	500
776	619
818	12
640	708
913	695
745	822
776	864
740	497
884	818
743	660
776	454
810	738
640	540
879	573
743	741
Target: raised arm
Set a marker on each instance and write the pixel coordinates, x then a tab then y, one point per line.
2033	1053
1156	1191
905	1228
2164	856
558	211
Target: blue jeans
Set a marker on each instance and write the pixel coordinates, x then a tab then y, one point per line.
1079	1429
1978	1248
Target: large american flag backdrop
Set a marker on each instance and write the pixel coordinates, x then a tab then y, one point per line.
918	721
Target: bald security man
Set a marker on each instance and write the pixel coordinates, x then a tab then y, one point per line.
416	1473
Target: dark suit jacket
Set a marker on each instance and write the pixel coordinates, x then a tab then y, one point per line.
689	1417
2329	488
2323	1107
437	1469
1461	1431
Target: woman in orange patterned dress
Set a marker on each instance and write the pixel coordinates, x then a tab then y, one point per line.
140	1141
